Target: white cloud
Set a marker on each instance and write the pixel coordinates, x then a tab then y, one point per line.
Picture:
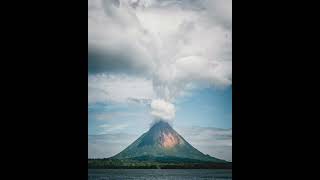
114	33
220	11
112	128
174	43
115	88
107	116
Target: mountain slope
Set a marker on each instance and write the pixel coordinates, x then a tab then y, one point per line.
163	144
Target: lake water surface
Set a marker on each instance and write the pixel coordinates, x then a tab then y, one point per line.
155	174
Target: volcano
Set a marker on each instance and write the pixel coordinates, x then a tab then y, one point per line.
163	144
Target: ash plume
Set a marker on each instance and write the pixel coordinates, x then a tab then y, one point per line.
177	46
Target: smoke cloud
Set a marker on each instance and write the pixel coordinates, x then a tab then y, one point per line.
177	45
162	110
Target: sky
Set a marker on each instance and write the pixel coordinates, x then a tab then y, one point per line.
160	59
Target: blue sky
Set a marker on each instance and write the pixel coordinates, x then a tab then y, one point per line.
199	116
207	107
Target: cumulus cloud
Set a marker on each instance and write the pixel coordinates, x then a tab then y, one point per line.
114	39
176	44
220	11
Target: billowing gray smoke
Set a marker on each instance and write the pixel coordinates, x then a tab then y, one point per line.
177	45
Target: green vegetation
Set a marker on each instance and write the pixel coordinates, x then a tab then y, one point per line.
149	145
148	152
154	164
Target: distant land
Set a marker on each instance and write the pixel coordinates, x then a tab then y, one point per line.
153	164
160	148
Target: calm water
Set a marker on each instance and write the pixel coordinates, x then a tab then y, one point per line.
155	174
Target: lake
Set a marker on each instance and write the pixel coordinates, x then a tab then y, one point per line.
155	174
